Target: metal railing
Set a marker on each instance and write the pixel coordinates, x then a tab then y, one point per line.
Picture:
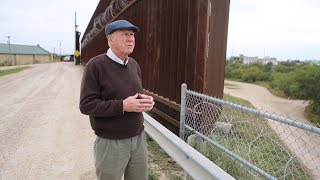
249	143
193	162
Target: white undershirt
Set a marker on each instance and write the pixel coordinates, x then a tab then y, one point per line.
115	58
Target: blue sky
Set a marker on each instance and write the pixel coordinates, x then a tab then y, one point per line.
285	29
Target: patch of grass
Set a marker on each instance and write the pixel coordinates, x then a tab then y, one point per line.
231	86
273	91
233	99
160	162
13	70
152	175
253	140
263	152
233	79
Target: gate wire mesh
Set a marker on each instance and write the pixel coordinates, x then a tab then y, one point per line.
280	150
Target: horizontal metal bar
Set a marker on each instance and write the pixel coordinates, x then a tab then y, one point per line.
260	113
165	116
163	100
193	162
230	153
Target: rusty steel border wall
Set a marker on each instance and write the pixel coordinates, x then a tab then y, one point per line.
180	41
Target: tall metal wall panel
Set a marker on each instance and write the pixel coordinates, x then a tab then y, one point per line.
180	41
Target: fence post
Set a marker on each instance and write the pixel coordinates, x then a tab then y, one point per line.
183	111
182	120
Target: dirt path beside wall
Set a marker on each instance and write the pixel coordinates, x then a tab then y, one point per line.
306	146
43	135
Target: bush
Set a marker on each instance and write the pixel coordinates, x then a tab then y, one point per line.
251	74
308	80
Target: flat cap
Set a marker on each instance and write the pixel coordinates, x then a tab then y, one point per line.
120	25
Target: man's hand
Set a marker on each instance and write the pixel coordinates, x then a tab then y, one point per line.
138	103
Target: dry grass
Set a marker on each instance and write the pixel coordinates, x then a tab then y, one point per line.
160	165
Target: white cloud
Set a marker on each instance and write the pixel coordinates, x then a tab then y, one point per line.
44	22
283	29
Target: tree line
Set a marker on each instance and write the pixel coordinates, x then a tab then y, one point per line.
297	80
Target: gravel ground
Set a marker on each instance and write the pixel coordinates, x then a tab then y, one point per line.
43	135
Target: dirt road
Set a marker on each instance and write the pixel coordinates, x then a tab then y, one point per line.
306	146
42	133
262	98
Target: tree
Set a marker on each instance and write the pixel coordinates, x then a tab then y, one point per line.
308	78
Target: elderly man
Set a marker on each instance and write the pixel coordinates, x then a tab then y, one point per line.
112	95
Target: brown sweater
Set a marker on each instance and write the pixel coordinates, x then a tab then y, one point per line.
105	84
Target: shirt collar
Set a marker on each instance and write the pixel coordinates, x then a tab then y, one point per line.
115	58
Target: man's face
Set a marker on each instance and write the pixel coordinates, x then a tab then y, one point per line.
122	42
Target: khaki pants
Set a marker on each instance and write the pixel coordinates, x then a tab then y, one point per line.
115	157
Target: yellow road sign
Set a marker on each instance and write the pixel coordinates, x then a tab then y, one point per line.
76	53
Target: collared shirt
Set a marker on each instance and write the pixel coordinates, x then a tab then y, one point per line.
115	58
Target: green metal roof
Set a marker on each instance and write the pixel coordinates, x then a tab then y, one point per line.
22	49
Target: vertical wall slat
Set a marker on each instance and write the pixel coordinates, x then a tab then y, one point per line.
218	30
202	34
191	49
181	59
168	50
157	46
163	57
174	48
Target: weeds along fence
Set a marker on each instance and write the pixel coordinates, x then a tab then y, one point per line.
249	143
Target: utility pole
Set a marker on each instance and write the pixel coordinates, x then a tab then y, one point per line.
13	63
60	47
77	42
